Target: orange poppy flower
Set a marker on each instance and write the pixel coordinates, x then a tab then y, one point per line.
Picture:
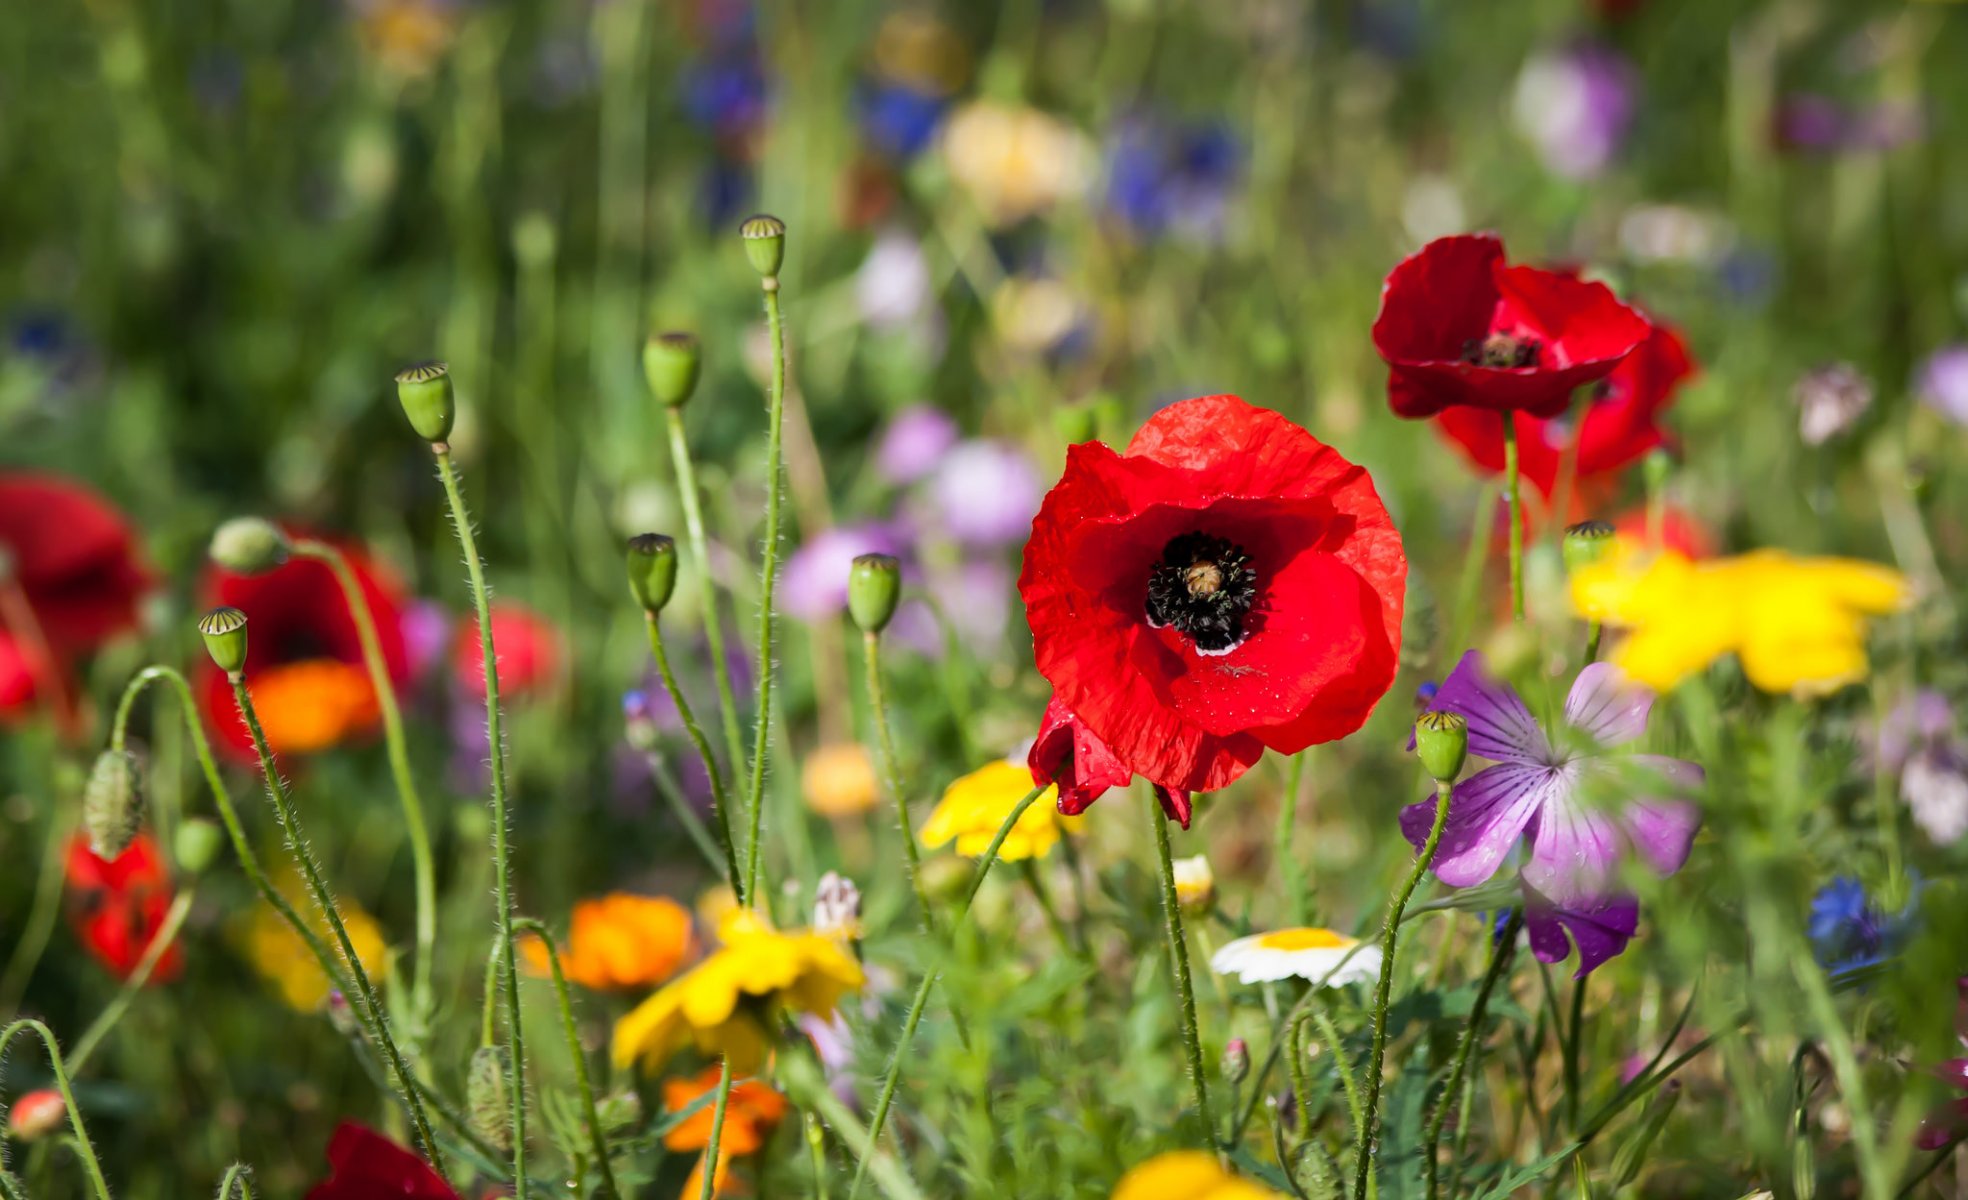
749	1116
621	941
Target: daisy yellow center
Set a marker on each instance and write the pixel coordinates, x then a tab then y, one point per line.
1203	587
1306	939
313	704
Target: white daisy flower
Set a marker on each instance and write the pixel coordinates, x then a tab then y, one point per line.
1320	955
1195	883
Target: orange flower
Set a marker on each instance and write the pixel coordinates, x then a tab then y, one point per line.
621	941
749	1115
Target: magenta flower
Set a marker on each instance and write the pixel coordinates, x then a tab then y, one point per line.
1574	803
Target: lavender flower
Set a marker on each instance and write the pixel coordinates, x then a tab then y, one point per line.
914	443
986	493
1944	383
1543	792
1574	106
893	288
1918	742
1830	401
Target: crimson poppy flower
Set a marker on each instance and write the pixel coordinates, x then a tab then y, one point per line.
117	906
1459	327
1619	424
303	658
74	560
1227	585
528	646
365	1165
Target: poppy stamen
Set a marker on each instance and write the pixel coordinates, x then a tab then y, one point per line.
1203	587
1501	350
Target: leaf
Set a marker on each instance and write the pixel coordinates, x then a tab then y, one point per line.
1503	1187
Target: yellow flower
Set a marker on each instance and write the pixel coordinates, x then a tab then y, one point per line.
1797	624
1186	1175
975	807
283	959
408	36
1015	162
839	781
1195	883
729	1004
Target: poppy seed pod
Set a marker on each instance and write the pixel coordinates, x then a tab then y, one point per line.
765	243
424	390
248	546
224	631
670	362
874	585
112	804
1442	741
487	1100
652	560
1586	543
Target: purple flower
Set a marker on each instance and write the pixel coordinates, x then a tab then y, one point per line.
1808	121
1549	794
916	440
1944	383
1574	106
814	586
1172	177
1917	742
986	493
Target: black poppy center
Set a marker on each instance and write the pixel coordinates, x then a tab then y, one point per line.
1203	587
1501	350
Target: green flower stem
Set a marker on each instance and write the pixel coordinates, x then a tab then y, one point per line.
501	833
768	575
582	1079
720	800
238	1182
40	923
1593	632
422	863
1029	867
1295	1068
1369	1151
885	742
1574	1050
365	1000
488	1017
693	827
1513	494
1178	946
693	525
879	1118
1472	1039
1289	877
83	1145
712	1150
160	944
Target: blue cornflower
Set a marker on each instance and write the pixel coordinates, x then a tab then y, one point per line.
1848	929
900	121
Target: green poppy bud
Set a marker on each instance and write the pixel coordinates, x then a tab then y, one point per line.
488	1102
1442	741
224	630
249	545
196	845
1586	543
874	585
670	362
112	804
424	391
652	570
765	243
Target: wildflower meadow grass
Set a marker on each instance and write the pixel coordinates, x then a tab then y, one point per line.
1118	599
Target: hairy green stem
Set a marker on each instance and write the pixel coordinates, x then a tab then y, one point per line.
423	864
1472	1038
693	827
1289	876
1348	1081
41	915
885	743
1178	947
1369	1150
1514	496
768	575
711	1151
238	1183
920	1001
160	944
84	1146
693	527
720	800
501	833
582	1080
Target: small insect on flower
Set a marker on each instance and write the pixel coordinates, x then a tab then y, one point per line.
974	808
1187	1175
1322	956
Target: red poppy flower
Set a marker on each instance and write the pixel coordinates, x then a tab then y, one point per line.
1227	585
365	1165
303	658
117	906
528	646
1459	327
1618	426
75	562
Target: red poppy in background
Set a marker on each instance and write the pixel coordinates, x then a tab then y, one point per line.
1618	426
1229	584
73	559
528	646
1458	326
117	906
304	659
365	1165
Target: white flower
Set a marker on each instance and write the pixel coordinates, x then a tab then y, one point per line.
1326	958
1195	883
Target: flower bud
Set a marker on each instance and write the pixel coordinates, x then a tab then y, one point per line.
424	390
341	1015
765	243
837	908
488	1102
1236	1061
1195	884
37	1114
652	570
196	845
224	630
249	545
874	585
670	362
112	804
1586	543
1442	741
